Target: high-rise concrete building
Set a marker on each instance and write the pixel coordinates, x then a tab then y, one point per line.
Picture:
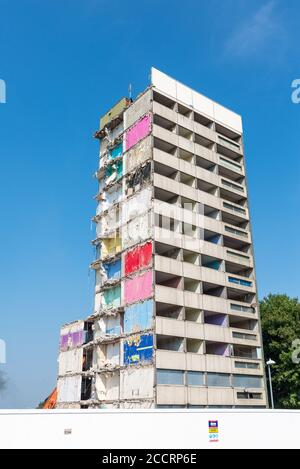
176	319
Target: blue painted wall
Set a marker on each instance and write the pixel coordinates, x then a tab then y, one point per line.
138	349
138	317
116	151
113	269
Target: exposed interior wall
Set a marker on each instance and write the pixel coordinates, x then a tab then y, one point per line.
107	386
111	298
138	349
69	389
123	315
108	223
138	317
137	179
72	335
138	108
138	258
137	132
108	199
111	246
139	288
137	231
70	361
137	205
114	112
137	383
138	155
107	325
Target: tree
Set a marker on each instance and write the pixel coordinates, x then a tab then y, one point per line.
280	316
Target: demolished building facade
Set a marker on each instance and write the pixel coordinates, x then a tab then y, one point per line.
176	320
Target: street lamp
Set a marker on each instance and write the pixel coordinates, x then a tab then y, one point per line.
269	364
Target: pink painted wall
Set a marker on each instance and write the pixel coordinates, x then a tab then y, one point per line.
137	132
139	288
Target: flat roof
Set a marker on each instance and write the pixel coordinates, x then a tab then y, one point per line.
196	100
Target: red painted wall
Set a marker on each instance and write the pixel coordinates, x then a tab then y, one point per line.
138	258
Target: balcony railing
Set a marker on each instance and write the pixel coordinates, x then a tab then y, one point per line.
242	336
241	308
237	257
231	165
233	208
240	233
232	186
229	143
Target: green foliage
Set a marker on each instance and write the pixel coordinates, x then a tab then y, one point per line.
281	328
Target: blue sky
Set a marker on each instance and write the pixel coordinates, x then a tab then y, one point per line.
66	62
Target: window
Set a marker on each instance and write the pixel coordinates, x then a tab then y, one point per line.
246	365
247	395
243	381
239	335
173	377
195	378
243	309
218	380
239	281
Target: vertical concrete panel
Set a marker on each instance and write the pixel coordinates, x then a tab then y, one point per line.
138	155
139	288
70	361
138	258
114	112
71	340
138	349
69	389
113	354
184	94
113	270
139	108
109	198
72	335
137	231
116	151
137	132
138	317
112	386
228	117
100	386
136	205
110	247
111	298
114	172
137	383
163	82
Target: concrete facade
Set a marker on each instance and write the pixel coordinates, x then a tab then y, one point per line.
176	320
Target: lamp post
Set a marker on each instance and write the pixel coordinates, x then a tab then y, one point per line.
269	364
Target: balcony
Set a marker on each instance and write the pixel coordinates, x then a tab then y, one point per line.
237	188
240	336
236	210
237	258
231	165
236	232
240	282
231	144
